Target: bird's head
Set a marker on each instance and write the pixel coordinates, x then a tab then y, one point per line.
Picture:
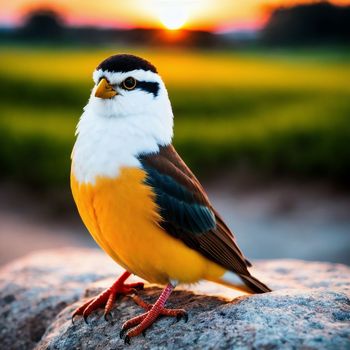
129	88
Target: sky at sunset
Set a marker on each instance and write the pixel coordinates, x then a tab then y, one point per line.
172	14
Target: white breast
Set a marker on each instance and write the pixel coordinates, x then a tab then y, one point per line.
106	144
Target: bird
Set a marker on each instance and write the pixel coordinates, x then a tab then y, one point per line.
139	200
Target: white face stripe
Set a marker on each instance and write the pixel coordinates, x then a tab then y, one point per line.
118	77
112	133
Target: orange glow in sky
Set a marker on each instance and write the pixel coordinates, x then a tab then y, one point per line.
171	14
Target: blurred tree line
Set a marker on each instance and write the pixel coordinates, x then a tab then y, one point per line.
42	25
309	24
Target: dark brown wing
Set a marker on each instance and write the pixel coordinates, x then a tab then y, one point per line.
189	216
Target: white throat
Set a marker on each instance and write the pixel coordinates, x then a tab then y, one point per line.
108	141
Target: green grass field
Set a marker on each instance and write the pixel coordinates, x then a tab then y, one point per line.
279	113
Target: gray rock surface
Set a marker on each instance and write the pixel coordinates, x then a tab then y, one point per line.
309	308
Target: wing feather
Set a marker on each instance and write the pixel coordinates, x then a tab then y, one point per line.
188	214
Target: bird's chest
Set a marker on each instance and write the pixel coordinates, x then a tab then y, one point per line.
120	212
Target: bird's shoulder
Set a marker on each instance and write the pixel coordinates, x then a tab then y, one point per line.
167	162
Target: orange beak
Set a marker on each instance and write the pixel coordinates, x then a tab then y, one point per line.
105	90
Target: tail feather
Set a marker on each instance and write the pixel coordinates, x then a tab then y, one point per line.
246	283
255	285
249	264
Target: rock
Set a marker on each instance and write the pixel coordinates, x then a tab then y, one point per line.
309	308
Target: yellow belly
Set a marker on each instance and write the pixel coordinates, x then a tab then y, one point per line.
122	217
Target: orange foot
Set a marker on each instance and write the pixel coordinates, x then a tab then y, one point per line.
139	324
107	297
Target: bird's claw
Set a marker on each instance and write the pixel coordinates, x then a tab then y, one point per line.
121	333
127	340
108	316
181	316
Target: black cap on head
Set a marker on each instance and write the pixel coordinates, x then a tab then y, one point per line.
125	63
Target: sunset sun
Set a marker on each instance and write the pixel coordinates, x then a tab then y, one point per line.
173	17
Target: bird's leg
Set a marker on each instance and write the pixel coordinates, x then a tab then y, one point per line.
108	296
139	324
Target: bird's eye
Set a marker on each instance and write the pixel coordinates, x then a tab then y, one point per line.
129	83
